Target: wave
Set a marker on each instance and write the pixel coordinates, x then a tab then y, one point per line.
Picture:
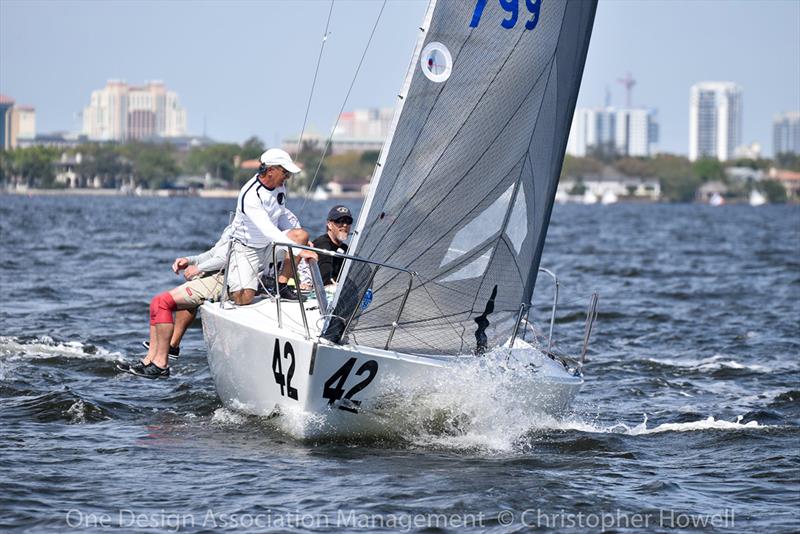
711	364
16	348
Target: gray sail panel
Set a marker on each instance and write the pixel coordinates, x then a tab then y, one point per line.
467	185
573	45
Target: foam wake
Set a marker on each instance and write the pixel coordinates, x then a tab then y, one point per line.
15	348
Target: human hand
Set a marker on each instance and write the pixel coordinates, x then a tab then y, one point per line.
191	272
179	264
309	255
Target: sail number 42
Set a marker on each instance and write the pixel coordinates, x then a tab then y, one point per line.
512	8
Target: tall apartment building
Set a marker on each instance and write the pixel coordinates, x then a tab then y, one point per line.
715	120
627	132
356	131
23	123
6	137
786	133
17	123
120	112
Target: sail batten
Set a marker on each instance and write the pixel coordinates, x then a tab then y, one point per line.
468	180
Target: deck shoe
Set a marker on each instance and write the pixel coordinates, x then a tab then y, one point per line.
150	370
174	352
289	293
128	366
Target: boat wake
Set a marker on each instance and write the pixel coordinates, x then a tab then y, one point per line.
475	408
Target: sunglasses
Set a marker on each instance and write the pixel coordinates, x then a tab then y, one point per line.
343	222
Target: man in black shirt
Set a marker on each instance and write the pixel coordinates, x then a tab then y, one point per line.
338	228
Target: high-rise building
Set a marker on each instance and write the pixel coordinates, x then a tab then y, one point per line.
715	120
23	123
356	131
786	133
120	112
627	132
6	135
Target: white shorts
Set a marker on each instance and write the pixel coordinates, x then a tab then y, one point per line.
246	263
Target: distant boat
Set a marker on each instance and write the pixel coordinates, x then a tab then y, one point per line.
320	194
609	197
757	199
589	198
716	200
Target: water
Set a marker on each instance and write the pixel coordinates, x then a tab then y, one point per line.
690	412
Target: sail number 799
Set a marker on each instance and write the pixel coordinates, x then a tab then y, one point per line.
512	8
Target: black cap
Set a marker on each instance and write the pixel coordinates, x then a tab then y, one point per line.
339	212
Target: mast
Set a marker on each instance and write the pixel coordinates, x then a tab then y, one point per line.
376	175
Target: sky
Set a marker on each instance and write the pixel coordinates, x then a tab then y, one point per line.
244	68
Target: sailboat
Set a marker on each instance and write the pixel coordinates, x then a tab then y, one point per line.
756	198
447	247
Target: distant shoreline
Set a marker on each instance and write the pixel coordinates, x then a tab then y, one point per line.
159	193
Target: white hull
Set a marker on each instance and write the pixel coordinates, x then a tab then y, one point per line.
327	389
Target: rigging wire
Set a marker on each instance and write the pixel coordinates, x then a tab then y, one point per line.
341	110
314	83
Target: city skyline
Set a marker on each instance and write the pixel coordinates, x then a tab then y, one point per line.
231	90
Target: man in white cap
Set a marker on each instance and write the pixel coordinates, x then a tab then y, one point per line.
262	219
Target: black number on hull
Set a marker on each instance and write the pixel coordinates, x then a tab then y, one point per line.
277	369
334	386
276	366
290	391
334	393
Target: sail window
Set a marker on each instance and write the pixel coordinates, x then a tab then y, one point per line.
481	228
436	62
473	269
517	226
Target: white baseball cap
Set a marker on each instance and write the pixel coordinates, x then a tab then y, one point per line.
276	156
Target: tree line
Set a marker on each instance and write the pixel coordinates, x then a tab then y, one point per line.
680	178
156	165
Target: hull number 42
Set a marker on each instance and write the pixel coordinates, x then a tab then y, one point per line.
334	388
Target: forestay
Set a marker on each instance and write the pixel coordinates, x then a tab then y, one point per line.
466	183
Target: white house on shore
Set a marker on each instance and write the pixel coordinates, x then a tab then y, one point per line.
608	189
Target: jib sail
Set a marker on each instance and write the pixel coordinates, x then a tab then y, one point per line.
465	184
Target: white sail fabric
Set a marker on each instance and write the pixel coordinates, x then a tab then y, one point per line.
468	182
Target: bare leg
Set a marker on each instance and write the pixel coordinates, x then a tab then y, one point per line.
153	342
243	297
163	333
183	318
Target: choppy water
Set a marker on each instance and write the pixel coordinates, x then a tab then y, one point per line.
689	416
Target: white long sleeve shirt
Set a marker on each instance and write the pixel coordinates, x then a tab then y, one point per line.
262	215
213	259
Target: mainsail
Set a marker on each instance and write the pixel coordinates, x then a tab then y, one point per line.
465	185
